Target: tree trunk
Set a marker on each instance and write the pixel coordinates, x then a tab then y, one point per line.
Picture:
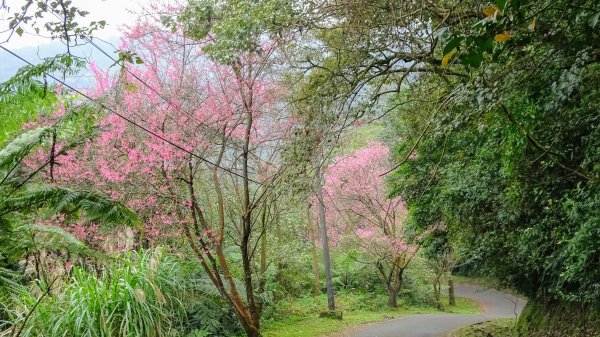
263	250
394	285
323	228
252	306
393	297
279	240
451	298
437	290
251	331
210	252
315	258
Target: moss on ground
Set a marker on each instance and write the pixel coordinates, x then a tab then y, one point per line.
556	319
494	328
540	319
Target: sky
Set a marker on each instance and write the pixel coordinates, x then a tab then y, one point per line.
114	12
33	48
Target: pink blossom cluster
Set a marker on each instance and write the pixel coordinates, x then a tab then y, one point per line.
180	95
358	208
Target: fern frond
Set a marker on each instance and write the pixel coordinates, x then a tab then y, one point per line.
5	228
16	150
33	74
9	278
97	208
204	285
55	239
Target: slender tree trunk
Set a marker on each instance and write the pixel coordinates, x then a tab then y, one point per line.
263	250
245	245
211	253
451	297
279	238
436	291
323	227
315	258
393	297
394	287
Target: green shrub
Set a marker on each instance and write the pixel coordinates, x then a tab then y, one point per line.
140	294
417	290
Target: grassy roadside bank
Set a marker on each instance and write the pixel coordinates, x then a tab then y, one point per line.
301	317
497	328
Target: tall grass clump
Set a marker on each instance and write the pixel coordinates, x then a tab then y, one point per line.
138	295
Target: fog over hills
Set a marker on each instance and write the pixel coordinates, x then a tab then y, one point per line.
10	64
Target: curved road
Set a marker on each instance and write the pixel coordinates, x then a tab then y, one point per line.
495	304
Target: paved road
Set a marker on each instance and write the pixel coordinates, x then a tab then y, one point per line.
495	304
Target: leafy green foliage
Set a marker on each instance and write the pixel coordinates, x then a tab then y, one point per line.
36	238
30	76
507	24
61	19
93	206
236	27
551	318
13	153
22	199
209	315
16	109
141	294
509	160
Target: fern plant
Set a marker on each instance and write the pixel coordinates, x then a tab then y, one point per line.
21	195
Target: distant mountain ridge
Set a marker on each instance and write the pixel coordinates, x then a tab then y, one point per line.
10	64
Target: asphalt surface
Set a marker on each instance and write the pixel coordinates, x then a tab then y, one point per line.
495	304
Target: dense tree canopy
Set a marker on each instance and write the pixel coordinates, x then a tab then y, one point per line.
509	159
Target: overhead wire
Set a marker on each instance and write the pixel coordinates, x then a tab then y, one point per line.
131	121
154	90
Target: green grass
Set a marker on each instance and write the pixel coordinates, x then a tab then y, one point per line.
300	318
139	294
495	328
463	306
312	325
360	137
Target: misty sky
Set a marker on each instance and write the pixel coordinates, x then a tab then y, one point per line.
114	12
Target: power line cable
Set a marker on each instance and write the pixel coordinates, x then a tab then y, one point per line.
154	90
130	121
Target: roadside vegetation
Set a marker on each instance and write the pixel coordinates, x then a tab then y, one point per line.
300	317
495	328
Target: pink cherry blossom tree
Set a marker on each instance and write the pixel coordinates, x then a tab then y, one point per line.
194	165
362	214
